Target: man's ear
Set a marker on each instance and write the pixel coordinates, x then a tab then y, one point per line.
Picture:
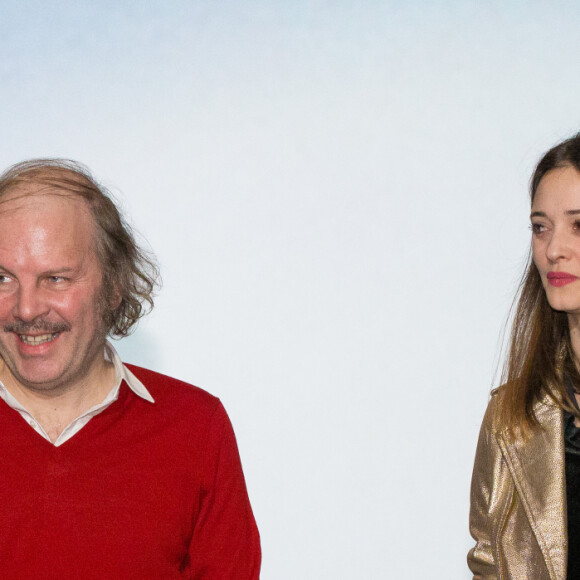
115	299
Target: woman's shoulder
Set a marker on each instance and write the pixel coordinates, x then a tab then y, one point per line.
494	419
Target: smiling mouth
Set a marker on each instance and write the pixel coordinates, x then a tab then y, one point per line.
41	338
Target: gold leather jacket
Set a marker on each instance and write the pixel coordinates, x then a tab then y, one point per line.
518	501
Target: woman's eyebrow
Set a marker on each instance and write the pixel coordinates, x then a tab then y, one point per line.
543	214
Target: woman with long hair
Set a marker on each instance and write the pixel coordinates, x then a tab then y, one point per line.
525	492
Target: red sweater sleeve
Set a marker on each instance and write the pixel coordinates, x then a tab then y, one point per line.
225	544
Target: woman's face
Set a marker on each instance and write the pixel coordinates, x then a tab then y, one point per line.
555	226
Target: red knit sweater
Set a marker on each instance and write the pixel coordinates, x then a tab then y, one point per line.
142	491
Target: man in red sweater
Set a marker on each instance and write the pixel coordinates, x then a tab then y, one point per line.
108	470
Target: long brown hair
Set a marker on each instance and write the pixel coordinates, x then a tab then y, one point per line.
128	270
540	358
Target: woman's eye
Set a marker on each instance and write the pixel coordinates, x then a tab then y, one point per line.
537	228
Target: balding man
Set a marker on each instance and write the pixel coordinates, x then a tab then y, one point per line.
108	470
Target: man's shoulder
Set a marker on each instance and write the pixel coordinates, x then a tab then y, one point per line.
168	391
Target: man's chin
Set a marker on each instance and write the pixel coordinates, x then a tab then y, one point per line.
40	378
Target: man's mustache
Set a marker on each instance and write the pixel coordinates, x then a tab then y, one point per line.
39	325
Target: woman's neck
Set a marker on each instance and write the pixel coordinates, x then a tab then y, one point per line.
574	326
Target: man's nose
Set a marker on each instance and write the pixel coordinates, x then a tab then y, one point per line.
30	303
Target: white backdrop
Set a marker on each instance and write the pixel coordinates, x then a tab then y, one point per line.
336	192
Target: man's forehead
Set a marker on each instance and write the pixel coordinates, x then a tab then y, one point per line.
51	215
45	226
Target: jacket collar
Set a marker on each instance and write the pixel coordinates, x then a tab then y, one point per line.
538	470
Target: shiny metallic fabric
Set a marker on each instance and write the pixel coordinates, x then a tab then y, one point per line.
518	501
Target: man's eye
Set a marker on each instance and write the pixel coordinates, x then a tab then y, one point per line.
4	279
56	279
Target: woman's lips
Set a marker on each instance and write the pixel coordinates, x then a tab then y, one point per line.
560	278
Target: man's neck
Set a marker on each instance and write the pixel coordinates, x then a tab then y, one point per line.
54	409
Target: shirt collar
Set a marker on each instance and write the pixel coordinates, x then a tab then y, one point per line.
122	373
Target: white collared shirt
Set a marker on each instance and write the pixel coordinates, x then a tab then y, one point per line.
121	373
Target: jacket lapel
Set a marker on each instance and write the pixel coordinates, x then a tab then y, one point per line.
538	469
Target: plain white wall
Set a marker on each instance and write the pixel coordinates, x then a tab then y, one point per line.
336	192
